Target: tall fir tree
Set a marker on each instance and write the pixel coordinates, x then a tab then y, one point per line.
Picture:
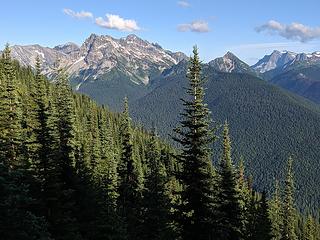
289	212
67	226
309	229
10	113
264	229
108	163
275	213
229	217
252	214
130	185
16	221
29	121
197	177
47	166
106	177
244	198
66	120
156	218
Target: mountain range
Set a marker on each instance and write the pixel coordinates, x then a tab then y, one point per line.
298	73
268	120
103	67
100	54
108	69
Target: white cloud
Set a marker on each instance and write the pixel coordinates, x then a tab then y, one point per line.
183	4
118	23
293	31
195	26
79	15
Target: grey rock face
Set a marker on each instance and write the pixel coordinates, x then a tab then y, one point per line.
98	55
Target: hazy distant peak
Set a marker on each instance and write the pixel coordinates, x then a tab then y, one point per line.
284	59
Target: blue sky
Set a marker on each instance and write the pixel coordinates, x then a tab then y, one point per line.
248	28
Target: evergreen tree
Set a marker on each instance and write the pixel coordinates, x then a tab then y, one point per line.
67	227
130	186
263	222
108	164
47	169
17	222
106	177
95	137
156	218
10	113
198	194
309	231
275	214
253	216
229	201
244	198
66	120
289	213
70	169
29	123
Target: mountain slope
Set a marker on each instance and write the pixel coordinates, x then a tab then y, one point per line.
99	54
279	62
298	73
304	81
275	60
111	88
230	63
103	67
267	125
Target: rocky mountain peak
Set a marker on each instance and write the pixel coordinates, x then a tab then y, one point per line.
92	37
99	54
132	37
68	48
274	60
231	56
230	63
284	59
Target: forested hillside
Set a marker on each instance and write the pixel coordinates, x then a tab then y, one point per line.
70	169
266	124
302	80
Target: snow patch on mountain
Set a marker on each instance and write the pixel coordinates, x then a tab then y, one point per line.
284	59
131	55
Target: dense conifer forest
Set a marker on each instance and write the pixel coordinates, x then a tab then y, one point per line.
70	169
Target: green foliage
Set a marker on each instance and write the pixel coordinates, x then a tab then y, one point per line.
302	80
275	213
17	220
70	169
289	213
156	201
263	223
197	177
10	113
310	229
229	209
130	176
267	124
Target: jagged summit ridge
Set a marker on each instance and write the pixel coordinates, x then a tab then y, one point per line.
98	55
284	59
230	63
